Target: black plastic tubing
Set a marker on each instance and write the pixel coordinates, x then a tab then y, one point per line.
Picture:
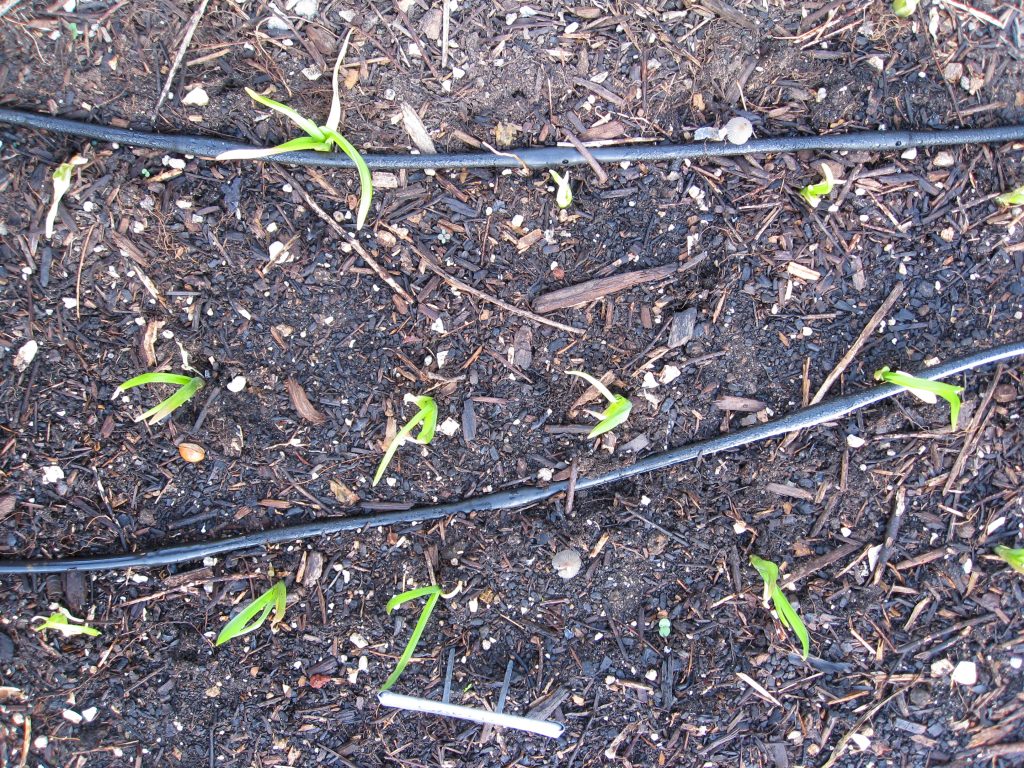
532	157
802	419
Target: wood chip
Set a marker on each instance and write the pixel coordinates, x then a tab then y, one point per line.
739	404
416	130
801	272
147	344
301	403
527	241
792	491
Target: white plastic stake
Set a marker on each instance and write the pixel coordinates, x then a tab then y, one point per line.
413	704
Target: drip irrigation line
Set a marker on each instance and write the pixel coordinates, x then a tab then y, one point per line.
532	157
803	418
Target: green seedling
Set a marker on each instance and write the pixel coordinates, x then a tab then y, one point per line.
61	184
187	387
787	614
426	415
1013	557
1013	197
563	192
60	620
432	593
247	621
664	627
813	193
924	389
904	8
319	138
618	406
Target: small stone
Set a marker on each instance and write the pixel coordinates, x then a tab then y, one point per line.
6	647
213	691
855	441
683	328
26	354
72	717
237	384
909	154
567	563
448	427
965	673
877	63
89	714
943	159
197	97
51	474
941	668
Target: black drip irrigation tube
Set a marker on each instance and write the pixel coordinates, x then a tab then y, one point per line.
802	419
531	157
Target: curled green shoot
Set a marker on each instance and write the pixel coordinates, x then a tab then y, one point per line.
787	614
904	8
1013	557
563	190
813	193
432	593
61	184
425	416
925	389
247	621
1013	197
318	138
61	621
618	406
187	387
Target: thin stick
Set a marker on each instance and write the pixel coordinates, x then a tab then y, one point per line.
865	334
356	246
446	20
190	30
973	433
602	175
845	360
892	530
454	281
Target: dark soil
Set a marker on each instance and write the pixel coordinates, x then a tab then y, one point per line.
781	294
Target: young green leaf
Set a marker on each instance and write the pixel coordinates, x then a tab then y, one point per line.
787	615
432	593
664	627
925	389
187	387
617	411
904	8
563	192
60	621
61	184
365	177
1013	557
247	621
1013	197
425	418
304	123
302	143
319	138
813	193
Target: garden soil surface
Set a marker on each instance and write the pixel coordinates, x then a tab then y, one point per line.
884	522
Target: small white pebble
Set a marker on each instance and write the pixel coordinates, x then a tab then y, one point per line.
855	441
965	673
237	384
